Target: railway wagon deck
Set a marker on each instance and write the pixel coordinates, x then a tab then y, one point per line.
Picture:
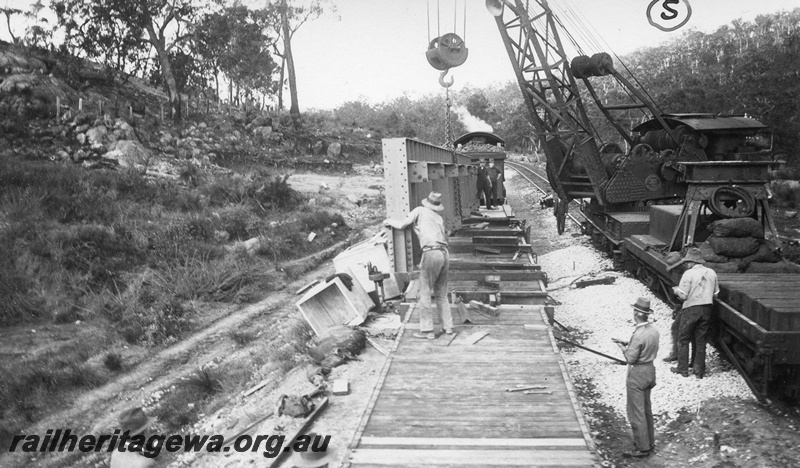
446	402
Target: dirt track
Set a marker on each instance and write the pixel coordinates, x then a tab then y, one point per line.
752	435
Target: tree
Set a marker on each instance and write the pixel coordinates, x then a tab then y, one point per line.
291	17
9	12
160	24
234	42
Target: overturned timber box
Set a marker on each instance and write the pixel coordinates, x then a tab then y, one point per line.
329	304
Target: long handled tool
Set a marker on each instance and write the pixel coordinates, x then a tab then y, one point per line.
618	361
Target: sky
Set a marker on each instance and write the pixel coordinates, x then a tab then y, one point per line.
374	50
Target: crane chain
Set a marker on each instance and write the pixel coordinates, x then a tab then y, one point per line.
449	139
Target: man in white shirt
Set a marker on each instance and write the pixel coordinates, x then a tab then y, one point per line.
429	227
697	288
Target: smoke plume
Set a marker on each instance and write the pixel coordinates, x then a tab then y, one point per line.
472	123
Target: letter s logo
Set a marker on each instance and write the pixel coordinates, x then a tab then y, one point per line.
672	15
667	7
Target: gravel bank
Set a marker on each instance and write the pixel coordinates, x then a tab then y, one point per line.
603	312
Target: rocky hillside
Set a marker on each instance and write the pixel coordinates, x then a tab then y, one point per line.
106	119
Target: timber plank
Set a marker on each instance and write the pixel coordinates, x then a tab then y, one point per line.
470	432
472	457
473	442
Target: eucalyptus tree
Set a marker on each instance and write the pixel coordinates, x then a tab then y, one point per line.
118	30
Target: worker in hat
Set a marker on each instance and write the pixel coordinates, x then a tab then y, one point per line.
697	289
675	261
429	228
640	352
484	184
495	178
132	422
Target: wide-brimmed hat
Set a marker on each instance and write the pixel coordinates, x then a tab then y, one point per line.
692	255
642	305
434	201
134	420
312	459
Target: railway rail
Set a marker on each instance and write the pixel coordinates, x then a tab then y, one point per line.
526	172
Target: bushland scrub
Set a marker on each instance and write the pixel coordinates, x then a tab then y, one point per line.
125	259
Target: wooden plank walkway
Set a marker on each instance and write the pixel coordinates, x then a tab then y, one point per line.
445	402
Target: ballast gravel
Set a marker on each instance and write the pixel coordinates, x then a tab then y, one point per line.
602	312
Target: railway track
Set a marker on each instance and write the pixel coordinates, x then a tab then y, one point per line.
526	173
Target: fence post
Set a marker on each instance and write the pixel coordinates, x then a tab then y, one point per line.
80	104
130	111
58	108
161	110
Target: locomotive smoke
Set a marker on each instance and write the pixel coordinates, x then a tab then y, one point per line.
472	123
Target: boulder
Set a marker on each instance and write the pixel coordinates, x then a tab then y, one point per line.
81	137
95	135
82	118
129	153
263	132
238	117
82	128
334	150
261	121
124	131
79	155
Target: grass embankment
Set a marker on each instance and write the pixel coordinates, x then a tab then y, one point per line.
126	259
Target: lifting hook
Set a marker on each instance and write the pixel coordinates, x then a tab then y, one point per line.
442	82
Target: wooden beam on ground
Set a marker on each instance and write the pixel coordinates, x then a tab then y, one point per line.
303	429
592	282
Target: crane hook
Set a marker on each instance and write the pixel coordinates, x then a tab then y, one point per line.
442	82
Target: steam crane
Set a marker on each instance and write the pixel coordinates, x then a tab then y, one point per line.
682	176
667	153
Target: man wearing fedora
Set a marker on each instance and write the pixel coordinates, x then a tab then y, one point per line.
640	352
429	228
697	288
133	421
484	184
494	177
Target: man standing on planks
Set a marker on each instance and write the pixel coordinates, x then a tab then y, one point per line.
429	227
697	288
640	352
484	184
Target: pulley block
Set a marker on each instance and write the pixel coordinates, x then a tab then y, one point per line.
599	64
447	51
